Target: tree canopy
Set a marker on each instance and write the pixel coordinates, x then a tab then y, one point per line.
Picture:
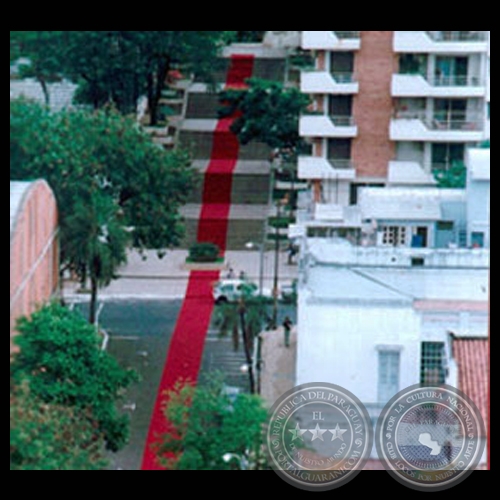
115	188
453	178
269	113
50	436
119	67
62	364
212	431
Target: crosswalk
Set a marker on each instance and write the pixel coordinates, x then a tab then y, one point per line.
220	357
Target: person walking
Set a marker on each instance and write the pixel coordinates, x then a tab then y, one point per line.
287	325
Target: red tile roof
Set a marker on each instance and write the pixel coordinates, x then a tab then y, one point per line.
472	357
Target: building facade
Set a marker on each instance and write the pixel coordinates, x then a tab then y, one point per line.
378	320
34	253
391	106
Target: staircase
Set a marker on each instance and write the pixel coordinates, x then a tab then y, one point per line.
248	184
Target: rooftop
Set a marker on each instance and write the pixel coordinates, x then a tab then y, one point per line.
18	191
472	358
339	252
406	203
61	93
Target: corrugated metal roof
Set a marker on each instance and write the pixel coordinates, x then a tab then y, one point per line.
18	191
61	94
472	357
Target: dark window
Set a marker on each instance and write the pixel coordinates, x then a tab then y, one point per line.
413	64
342	62
478	240
418	262
433	368
341	105
445	226
339	149
445	155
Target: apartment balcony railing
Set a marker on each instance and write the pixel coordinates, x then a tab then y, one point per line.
444	123
341	164
458	36
343	121
456	81
343	77
449	80
347	35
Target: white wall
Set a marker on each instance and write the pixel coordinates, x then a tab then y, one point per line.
340	345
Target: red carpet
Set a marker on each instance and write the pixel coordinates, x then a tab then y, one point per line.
186	348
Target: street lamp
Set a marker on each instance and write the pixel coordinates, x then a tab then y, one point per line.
262	248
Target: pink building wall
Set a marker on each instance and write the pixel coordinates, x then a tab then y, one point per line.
34	253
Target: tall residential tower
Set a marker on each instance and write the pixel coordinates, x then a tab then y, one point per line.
390	107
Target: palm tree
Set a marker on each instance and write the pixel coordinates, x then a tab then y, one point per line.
248	318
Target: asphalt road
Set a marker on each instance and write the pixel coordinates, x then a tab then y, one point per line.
140	334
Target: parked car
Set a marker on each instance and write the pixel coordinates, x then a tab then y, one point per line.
228	291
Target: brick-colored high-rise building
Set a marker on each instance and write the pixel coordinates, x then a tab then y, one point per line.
390	107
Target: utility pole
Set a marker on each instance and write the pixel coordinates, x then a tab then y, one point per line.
276	267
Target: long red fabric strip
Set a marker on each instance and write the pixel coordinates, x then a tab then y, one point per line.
186	348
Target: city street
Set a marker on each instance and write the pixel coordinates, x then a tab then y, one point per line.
140	332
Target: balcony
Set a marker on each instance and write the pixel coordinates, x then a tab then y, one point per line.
417	126
458	36
321	168
323	82
431	42
331	40
442	86
320	125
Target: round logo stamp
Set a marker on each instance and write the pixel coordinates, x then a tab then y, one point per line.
319	437
430	438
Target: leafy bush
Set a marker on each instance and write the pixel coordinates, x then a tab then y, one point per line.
204	252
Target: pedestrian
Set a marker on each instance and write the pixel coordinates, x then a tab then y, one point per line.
231	275
287	325
243	276
292	252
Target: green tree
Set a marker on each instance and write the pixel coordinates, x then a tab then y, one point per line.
43	50
115	187
120	66
453	178
245	36
51	437
61	362
211	431
269	113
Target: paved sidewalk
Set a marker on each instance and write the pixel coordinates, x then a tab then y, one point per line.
167	278
279	365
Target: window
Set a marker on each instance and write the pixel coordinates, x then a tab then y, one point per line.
445	226
433	370
478	240
394	236
413	64
388	373
446	154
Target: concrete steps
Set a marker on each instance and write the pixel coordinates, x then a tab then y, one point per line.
251	180
246	224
